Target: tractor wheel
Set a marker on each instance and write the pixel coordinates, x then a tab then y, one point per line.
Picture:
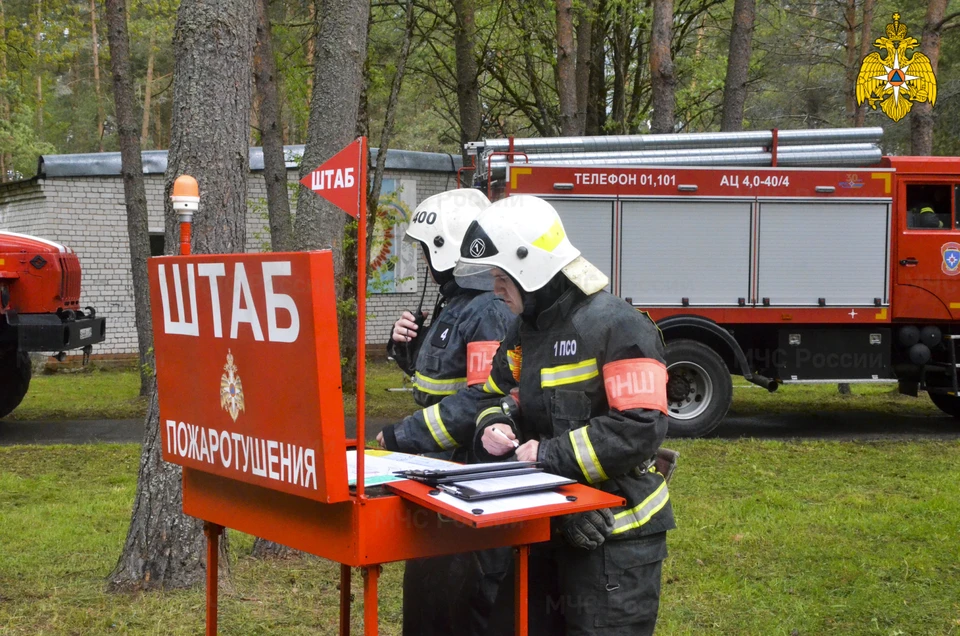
14	379
699	388
949	404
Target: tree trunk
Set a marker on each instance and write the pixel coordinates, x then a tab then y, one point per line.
274	165
566	69
921	117
585	19
148	88
852	68
866	39
596	114
38	40
96	77
738	65
373	201
337	81
663	80
468	86
621	64
311	49
212	90
275	179
6	159
134	194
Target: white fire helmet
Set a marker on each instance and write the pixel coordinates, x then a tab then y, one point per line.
440	222
523	236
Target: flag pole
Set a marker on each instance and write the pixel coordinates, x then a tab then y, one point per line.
361	315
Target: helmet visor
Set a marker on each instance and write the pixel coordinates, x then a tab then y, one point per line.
474	275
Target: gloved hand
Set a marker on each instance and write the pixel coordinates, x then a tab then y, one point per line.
587	530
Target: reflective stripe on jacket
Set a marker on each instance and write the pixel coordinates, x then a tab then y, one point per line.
447	419
564	401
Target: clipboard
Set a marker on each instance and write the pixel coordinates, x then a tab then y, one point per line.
504	486
573	498
433	475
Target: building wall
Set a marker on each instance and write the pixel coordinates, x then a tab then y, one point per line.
88	214
22	209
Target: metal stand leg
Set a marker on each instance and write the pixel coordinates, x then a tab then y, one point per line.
370	621
521	578
212	531
345	572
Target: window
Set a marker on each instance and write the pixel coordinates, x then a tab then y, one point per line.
156	244
929	207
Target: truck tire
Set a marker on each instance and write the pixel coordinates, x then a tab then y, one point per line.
699	388
949	404
14	379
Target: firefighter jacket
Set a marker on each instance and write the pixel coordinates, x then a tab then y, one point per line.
455	352
592	390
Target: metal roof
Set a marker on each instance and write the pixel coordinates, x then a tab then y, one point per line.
97	164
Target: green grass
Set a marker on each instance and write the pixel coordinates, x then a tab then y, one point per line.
113	394
774	538
97	394
90	394
749	399
383	375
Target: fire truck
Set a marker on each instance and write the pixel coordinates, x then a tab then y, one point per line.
39	310
780	256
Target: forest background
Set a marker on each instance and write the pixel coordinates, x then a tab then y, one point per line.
803	56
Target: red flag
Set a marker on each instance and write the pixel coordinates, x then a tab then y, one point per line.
340	178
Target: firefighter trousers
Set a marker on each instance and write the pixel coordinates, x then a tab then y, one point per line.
453	595
611	591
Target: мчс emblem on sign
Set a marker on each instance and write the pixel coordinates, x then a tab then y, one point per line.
896	81
951	258
231	389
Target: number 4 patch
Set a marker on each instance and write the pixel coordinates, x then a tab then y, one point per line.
442	334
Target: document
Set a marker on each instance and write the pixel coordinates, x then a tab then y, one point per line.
379	466
501	486
503	504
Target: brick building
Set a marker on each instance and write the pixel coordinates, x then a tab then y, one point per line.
78	200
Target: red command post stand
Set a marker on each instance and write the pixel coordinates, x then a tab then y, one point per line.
251	406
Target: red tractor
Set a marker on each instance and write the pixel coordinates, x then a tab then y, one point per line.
39	310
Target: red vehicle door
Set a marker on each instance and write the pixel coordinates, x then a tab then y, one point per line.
927	258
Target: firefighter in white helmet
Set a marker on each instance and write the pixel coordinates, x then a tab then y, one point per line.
444	357
591	406
465	320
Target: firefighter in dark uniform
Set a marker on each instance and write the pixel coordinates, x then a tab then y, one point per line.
591	405
450	594
454	351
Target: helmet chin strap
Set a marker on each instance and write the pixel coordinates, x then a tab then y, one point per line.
535	302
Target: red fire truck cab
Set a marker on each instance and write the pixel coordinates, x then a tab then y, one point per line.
781	275
39	310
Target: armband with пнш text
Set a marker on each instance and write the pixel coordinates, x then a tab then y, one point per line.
636	383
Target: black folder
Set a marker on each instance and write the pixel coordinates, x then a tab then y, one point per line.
467	472
497	485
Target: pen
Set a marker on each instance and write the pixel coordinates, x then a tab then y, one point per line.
504	436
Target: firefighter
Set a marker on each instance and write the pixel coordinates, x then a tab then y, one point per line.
929	218
465	321
591	406
449	594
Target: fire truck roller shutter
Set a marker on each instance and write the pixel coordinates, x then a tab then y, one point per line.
699	250
14	379
590	224
833	250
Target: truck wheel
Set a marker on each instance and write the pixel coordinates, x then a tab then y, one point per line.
699	388
14	379
949	404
